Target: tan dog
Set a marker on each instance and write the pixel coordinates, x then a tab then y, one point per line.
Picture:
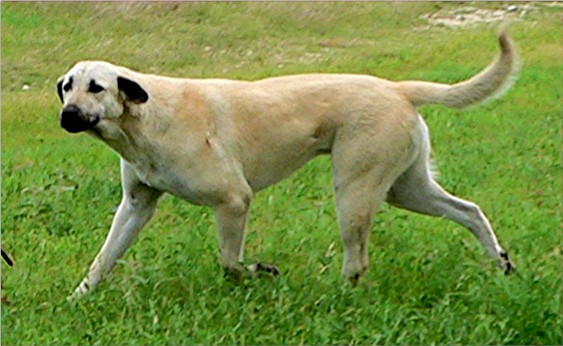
216	142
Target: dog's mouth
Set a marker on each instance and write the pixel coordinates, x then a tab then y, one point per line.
73	120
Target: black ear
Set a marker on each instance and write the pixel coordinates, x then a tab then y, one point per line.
134	92
60	88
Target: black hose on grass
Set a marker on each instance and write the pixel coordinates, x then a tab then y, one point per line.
7	258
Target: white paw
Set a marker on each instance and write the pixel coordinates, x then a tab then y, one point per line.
257	268
80	291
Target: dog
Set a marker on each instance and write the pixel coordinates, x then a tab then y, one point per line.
217	142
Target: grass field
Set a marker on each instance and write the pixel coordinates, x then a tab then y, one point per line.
429	281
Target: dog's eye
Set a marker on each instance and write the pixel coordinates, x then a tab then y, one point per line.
68	85
95	88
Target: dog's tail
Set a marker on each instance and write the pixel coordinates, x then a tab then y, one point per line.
489	83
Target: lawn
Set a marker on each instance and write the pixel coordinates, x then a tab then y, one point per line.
429	281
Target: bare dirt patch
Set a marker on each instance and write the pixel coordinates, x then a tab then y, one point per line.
469	15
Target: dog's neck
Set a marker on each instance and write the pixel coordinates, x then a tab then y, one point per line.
116	139
124	137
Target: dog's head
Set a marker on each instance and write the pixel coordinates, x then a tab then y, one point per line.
94	93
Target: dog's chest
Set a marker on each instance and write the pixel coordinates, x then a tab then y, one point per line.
161	177
153	175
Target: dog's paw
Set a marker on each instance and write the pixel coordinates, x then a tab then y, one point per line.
240	273
354	279
263	268
236	273
80	291
506	264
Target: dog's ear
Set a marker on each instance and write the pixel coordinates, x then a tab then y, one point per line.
60	88
133	91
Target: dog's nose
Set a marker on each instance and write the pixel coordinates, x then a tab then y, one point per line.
71	119
69	112
74	120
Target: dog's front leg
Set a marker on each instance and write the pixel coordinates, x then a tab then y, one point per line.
231	221
135	210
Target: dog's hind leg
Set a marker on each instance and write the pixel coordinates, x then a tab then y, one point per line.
358	195
135	210
355	204
365	166
417	191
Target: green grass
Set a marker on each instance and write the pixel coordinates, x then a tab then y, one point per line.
429	281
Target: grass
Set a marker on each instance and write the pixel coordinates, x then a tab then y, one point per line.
429	281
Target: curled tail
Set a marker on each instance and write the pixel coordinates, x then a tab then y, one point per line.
490	82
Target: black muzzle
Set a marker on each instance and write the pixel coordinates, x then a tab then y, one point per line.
74	120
